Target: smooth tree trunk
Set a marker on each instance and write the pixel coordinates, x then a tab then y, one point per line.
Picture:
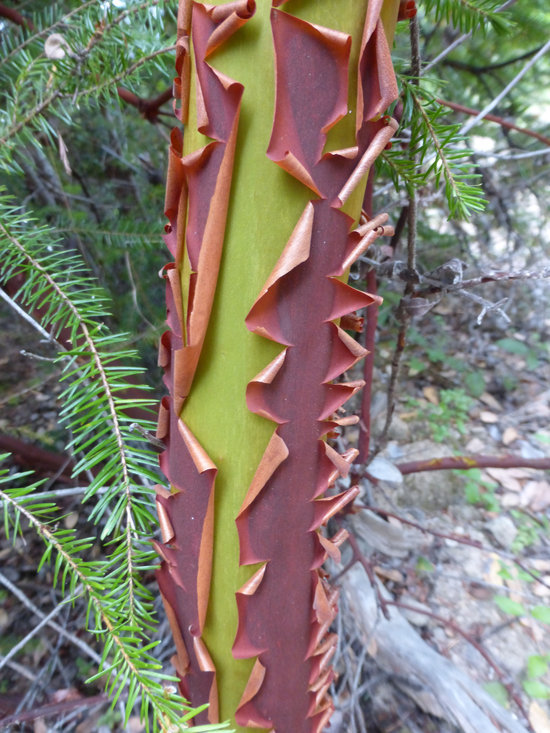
283	109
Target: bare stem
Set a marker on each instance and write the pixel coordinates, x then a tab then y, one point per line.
461	539
475	461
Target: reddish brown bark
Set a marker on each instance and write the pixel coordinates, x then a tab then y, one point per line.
475	461
197	193
296	391
494	118
15	17
149	108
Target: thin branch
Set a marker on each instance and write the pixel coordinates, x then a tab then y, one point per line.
492	67
399	227
414	34
460	538
56	709
46	620
433	285
404	317
494	118
64	493
502	676
17	308
60	630
22	670
475	461
149	108
15	17
472	123
460	40
363	443
507	155
359	557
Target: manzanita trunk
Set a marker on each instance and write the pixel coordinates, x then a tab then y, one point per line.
284	116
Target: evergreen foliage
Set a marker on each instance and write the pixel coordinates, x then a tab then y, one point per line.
72	61
468	15
434	152
71	241
97	370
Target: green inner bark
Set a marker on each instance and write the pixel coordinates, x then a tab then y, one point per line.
265	205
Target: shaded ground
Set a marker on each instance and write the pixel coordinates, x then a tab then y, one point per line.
493	400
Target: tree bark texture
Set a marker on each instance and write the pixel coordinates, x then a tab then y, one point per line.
284	114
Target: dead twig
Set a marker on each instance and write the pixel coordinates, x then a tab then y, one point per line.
501	675
474	461
57	708
461	539
495	118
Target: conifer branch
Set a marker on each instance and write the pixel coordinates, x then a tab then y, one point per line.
467	15
438	150
63	299
129	650
57	289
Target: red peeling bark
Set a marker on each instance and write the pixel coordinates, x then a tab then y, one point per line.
286	608
197	197
279	522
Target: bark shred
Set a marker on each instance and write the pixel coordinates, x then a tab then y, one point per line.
280	519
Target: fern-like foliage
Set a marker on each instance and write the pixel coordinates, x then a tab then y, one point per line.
442	155
91	56
97	369
467	15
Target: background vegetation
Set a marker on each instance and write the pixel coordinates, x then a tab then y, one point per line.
81	217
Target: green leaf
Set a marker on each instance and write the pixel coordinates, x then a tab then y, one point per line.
513	346
537	665
423	565
505	573
417	365
541	613
472	493
475	383
507	605
536	688
497	691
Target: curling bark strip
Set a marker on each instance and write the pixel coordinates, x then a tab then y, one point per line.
280	519
197	196
244	491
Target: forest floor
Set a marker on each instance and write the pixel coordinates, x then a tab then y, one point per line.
467	390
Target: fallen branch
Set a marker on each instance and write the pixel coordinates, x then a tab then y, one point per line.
435	684
57	709
42	462
474	461
383	604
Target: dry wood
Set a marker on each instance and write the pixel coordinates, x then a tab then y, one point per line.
435	684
